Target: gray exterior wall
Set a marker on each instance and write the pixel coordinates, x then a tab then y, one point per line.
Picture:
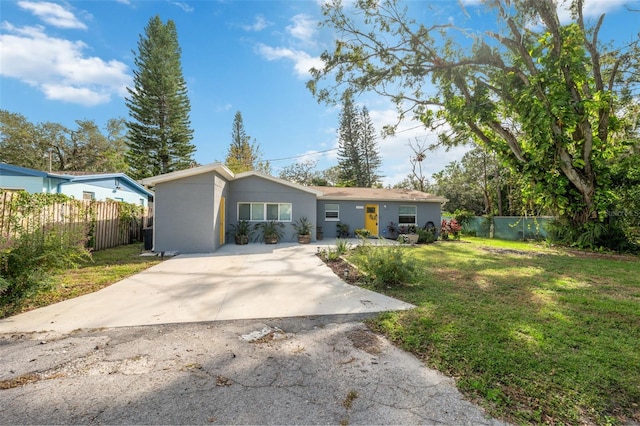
187	214
352	213
255	189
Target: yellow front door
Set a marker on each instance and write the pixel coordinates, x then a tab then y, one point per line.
371	218
222	220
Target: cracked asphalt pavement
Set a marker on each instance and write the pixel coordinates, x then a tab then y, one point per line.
305	370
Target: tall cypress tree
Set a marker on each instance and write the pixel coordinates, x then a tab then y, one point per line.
369	148
159	132
358	154
349	155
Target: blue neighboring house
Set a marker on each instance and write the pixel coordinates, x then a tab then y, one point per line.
93	186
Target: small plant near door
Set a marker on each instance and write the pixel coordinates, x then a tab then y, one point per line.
302	228
271	231
242	232
342	230
362	233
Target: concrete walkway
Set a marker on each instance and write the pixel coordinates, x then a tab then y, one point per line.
235	282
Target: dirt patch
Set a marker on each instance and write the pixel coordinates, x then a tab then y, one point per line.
510	251
595	255
366	341
345	270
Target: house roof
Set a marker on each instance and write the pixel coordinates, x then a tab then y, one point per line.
322	192
194	171
226	173
22	170
376	194
102	176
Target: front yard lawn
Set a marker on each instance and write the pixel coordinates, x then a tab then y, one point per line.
105	268
535	335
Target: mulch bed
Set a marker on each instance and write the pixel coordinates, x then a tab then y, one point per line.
339	266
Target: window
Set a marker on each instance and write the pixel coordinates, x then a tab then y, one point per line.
332	212
258	212
88	195
119	199
407	215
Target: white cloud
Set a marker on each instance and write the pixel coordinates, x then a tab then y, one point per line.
59	68
184	6
53	14
304	28
259	24
225	107
593	8
88	97
302	61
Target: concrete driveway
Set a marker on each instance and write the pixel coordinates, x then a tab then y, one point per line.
235	282
153	349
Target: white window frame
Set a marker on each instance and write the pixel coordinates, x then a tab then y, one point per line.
336	211
261	210
415	215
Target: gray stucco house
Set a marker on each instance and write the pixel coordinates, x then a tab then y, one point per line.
195	207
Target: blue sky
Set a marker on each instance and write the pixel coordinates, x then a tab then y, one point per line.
65	61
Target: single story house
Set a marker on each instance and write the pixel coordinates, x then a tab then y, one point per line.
193	208
82	186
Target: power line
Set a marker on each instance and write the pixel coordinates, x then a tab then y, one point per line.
330	150
303	155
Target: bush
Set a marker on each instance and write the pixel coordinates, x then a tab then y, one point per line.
332	254
452	227
362	233
608	235
342	246
387	266
25	263
426	236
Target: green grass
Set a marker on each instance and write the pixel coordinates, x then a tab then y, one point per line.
536	335
105	268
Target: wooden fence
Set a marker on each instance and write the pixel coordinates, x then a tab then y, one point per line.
105	223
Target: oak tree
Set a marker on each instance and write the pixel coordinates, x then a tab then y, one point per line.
545	96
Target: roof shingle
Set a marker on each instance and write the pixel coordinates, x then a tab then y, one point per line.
376	194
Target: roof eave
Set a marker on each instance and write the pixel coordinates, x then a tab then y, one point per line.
180	174
385	199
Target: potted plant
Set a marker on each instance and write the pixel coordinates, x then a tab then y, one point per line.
392	231
271	231
342	230
242	232
303	228
408	234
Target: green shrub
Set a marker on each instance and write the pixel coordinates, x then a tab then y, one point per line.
388	266
362	233
426	236
25	263
608	235
342	246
